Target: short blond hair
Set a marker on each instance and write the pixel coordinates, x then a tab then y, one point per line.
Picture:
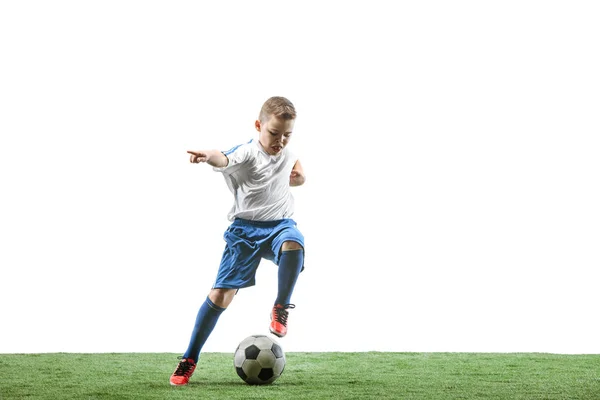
278	106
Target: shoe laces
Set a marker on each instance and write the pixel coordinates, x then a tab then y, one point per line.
281	315
184	368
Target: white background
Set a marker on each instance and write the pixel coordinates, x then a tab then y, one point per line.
451	151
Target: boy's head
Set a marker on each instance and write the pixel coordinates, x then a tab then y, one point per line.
275	124
278	107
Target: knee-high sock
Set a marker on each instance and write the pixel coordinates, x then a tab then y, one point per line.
207	318
290	265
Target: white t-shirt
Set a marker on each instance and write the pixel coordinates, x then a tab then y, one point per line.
260	182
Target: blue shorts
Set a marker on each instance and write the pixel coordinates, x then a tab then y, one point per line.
247	243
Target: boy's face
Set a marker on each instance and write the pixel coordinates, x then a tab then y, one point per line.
274	134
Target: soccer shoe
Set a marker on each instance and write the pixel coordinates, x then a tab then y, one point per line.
184	371
279	317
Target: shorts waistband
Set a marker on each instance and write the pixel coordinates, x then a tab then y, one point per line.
241	221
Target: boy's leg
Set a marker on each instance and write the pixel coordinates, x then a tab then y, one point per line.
291	262
290	265
206	320
240	259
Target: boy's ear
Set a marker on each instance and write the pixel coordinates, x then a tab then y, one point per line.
257	125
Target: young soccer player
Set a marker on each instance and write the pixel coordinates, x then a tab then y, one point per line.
259	174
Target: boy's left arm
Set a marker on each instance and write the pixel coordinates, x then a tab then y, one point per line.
297	176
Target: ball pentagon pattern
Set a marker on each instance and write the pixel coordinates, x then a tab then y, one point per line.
259	360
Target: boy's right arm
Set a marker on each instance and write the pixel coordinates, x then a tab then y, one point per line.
214	158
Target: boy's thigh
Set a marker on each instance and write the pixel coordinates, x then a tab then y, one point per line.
288	233
237	270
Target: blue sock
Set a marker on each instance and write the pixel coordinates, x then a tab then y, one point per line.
290	265
207	318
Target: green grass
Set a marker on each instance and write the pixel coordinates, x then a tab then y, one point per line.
306	376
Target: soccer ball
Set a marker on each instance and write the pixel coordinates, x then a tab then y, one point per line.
259	360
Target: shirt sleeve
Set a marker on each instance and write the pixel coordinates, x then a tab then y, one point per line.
236	156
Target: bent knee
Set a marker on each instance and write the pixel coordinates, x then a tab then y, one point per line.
222	297
290	245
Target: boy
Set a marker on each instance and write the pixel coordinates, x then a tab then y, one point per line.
259	174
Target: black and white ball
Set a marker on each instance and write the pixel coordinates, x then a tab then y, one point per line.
259	360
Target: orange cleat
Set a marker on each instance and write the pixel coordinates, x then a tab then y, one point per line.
279	317
184	371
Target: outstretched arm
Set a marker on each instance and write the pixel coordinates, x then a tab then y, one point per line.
213	158
297	176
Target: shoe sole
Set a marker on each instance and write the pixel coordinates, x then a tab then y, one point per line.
279	335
